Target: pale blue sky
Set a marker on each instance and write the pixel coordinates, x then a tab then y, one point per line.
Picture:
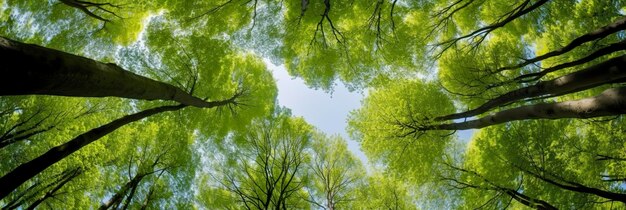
328	112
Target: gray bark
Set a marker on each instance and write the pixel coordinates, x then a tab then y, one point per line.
610	71
608	103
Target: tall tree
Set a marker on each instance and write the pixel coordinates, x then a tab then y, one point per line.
28	170
334	172
267	169
432	67
53	72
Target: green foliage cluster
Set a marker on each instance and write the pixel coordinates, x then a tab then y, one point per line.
541	81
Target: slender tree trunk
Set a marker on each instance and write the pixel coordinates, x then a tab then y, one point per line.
83	6
577	187
608	103
528	201
30	69
26	171
520	11
16	138
119	195
66	179
329	199
613	70
148	199
532	77
130	196
618	25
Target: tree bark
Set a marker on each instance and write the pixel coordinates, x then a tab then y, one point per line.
610	71
608	103
34	70
26	171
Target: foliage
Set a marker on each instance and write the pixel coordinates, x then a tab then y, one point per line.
542	80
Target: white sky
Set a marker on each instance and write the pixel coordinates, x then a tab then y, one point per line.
325	111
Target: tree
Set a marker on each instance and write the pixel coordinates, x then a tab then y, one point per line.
149	164
229	80
505	82
22	173
501	65
266	169
85	6
21	123
539	161
477	181
336	174
383	191
50	190
539	78
376	126
53	72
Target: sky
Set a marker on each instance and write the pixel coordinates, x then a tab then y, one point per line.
328	112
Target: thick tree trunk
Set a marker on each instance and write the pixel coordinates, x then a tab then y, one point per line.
26	171
610	71
30	69
608	103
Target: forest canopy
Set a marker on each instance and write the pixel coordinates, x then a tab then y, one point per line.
164	104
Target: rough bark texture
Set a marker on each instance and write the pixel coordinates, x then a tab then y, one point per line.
34	70
26	171
608	103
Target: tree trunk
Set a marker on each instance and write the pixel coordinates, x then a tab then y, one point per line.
618	25
119	195
608	103
613	70
64	180
30	69
577	187
148	199
614	47
26	171
528	201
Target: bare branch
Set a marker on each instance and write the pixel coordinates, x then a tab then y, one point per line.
479	35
